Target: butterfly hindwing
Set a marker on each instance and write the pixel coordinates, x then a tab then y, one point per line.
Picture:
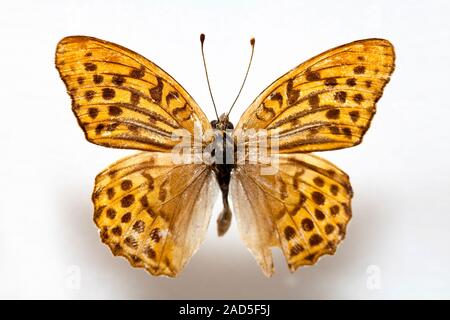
327	102
304	208
153	212
121	99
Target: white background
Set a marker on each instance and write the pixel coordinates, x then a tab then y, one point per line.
400	231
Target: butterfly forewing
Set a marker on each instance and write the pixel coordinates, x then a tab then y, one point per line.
123	100
327	102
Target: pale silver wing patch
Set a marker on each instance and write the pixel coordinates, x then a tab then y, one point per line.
254	216
194	205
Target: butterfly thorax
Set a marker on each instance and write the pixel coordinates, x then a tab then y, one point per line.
223	155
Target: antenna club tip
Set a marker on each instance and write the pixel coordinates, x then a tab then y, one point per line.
252	41
202	38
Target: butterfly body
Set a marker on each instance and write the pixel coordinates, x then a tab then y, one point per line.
223	154
155	211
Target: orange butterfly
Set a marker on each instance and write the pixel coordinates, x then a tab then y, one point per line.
155	212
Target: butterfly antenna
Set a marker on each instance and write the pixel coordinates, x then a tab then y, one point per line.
252	43
202	40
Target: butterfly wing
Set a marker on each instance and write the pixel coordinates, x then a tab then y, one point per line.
326	102
148	209
121	99
304	208
153	212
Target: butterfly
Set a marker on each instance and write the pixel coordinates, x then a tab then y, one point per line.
155	212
